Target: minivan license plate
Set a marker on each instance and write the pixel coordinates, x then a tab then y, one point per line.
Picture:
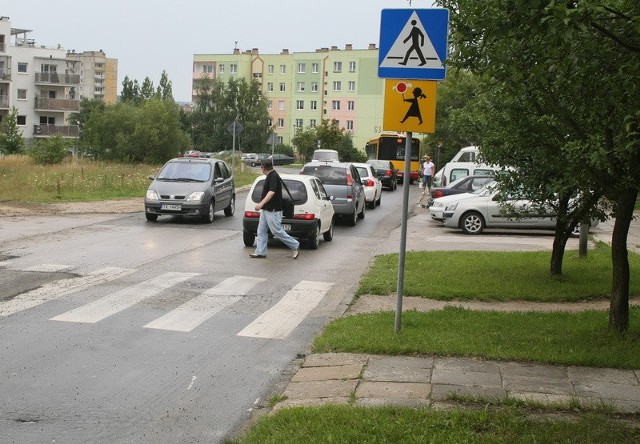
286	227
171	207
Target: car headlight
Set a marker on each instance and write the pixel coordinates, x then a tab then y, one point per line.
451	207
195	196
437	204
152	195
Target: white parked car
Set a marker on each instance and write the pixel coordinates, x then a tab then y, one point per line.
489	209
436	209
371	182
313	212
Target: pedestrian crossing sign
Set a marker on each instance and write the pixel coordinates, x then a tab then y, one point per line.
409	106
413	44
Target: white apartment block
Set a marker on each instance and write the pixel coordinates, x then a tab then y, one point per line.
46	84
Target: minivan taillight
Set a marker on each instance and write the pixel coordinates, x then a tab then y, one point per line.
349	180
252	214
387	173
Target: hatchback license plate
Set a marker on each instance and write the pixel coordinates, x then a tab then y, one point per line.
286	227
171	207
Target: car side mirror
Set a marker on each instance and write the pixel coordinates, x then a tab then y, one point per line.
151	177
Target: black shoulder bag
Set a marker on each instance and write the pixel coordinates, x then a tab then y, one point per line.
287	204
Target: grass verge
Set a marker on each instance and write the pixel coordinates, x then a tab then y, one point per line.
560	338
77	180
498	276
349	424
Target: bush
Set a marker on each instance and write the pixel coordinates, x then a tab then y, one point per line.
49	151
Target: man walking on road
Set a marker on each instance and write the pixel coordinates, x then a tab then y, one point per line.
271	214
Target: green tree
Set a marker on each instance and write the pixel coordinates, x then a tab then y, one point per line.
11	141
129	93
147	91
165	90
563	80
218	104
328	136
49	151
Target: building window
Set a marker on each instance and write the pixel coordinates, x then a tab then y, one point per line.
314	104
207	69
270	87
233	68
302	68
283	87
315	68
352	66
352	85
22	94
335	123
21	120
269	105
314	87
351	105
299	123
300	86
281	105
335	104
281	123
299	104
283	69
221	69
337	66
22	67
312	123
337	85
270	69
350	125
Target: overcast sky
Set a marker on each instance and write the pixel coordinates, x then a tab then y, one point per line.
148	37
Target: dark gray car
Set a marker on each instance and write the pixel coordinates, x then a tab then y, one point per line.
343	183
188	186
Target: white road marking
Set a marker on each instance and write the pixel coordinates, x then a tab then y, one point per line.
62	287
49	268
281	319
110	305
194	312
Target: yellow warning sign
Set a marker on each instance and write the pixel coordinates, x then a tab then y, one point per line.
409	105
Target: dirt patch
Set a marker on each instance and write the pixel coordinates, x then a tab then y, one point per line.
371	303
13	209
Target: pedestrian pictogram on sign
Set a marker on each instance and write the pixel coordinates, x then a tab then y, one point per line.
413	44
409	105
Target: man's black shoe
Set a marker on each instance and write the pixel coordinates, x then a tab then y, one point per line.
257	256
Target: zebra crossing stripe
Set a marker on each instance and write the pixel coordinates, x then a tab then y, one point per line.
281	319
110	305
194	312
62	287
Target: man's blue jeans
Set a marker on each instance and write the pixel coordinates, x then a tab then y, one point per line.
272	220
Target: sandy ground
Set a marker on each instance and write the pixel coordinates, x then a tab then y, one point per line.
12	209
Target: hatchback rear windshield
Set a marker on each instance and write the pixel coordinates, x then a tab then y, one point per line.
296	188
328	174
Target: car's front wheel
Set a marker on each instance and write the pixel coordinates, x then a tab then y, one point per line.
472	223
208	217
151	217
231	209
248	238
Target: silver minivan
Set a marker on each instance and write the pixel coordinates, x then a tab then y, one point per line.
190	186
343	183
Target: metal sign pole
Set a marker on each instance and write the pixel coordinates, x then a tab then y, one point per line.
403	229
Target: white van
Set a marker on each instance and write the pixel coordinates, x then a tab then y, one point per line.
325	156
463	164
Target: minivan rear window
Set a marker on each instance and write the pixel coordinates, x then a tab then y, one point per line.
328	174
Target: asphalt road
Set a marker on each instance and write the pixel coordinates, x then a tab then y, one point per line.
117	329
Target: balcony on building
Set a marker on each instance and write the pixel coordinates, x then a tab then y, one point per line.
53	78
47	104
46	130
